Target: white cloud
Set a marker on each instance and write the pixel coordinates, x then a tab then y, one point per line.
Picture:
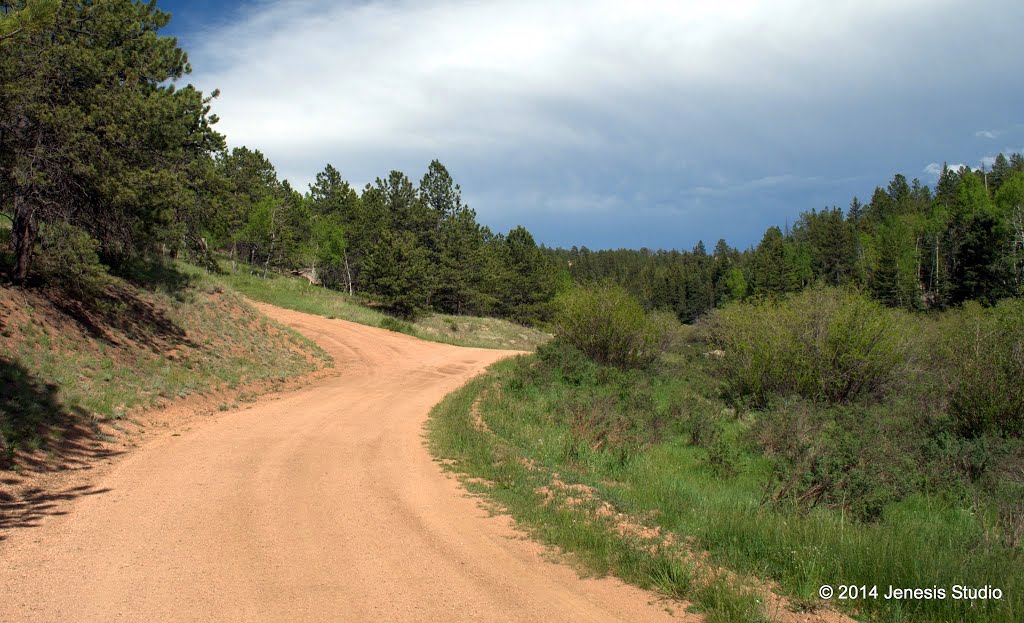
988	161
616	110
935	169
305	79
986	134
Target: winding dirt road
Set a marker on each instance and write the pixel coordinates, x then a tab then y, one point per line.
319	505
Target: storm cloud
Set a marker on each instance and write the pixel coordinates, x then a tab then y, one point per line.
621	124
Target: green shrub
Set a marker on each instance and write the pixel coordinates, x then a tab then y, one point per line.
983	350
1003	493
565	363
723	457
608	325
823	344
396	325
857	458
698	422
67	258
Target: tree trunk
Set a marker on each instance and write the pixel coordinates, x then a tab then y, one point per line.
1018	247
266	265
24	230
348	274
922	287
273	239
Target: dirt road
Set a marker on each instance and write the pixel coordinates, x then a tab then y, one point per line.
321	505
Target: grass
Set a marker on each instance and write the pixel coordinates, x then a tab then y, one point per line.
300	295
589	541
558	418
63	363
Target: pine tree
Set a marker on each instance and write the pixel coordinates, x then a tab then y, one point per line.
331	194
899	193
1001	171
93	132
880	208
893	280
983	273
249	179
460	285
768	274
440	192
855	213
528	280
1017	163
831	243
397	271
334	210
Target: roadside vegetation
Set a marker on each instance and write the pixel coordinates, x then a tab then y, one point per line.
299	294
825	440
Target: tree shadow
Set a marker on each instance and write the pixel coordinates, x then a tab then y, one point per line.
155	275
31	415
120	307
29	508
122	310
45	436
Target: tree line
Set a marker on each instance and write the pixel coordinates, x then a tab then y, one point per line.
410	247
910	247
104	159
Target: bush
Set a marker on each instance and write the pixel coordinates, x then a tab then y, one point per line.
983	352
67	258
698	422
822	344
857	458
609	326
566	363
396	325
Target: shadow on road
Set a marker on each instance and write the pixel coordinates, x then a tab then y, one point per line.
39	434
27	509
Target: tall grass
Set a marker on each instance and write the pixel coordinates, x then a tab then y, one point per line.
591	543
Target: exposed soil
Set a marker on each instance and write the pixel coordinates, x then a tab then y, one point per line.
586	499
320	504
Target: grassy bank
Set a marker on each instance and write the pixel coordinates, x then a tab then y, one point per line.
298	294
69	363
535	482
661	445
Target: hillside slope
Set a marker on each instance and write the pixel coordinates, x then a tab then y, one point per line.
70	370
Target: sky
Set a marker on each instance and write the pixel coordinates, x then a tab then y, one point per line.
617	124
